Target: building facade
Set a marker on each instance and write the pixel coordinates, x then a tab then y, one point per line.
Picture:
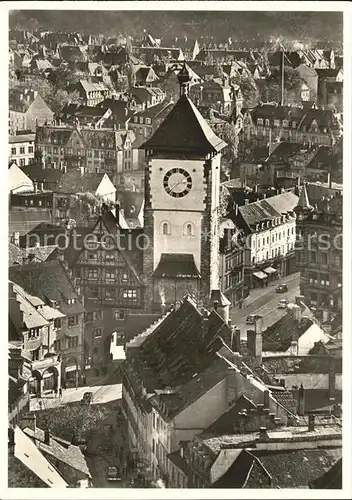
181	215
319	252
269	227
22	149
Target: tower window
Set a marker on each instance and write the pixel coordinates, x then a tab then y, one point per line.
188	229
165	228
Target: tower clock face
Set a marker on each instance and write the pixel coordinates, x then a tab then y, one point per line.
177	182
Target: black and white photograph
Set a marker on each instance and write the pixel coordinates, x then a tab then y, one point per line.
176	242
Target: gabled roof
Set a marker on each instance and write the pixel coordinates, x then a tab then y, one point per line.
24	221
323	117
17	254
176	265
268	208
49	281
31	457
278	337
71	455
330	480
184	130
74	182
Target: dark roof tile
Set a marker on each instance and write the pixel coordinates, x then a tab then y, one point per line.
176	265
185	131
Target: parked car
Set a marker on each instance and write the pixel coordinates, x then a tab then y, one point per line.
113	474
87	398
282	304
281	288
252	318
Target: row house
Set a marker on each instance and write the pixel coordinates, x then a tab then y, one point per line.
231	265
51	282
269	123
34	326
144	97
171	394
269	227
319	251
108	266
92	93
94	150
27	109
21	149
256	457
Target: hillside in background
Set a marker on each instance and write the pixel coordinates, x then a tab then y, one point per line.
308	26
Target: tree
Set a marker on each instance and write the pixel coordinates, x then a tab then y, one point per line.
248	88
72	421
292	86
85	205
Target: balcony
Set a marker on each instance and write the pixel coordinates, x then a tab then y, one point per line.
32	344
44	363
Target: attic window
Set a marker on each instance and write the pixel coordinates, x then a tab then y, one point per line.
267	122
293	124
135	119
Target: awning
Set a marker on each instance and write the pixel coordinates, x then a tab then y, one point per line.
176	265
260	275
70	368
270	270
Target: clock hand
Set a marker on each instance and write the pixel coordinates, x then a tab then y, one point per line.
177	183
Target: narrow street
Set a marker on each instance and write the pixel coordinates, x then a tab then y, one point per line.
264	301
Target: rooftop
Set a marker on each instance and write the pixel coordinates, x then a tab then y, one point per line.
18	139
176	265
184	131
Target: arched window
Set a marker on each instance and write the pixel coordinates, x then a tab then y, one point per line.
188	229
165	228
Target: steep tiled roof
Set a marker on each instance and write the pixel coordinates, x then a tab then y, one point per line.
73	182
17	254
284	151
70	455
180	356
31	317
153	111
225	423
185	131
296	468
24	221
330	480
271	111
48	280
302	364
278	337
268	208
324	117
176	265
285	398
31	457
136	323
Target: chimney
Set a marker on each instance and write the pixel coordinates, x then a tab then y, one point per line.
297	313
246	201
294	348
299	299
255	344
177	305
258	327
301	401
163	309
266	399
235	338
311	423
82	170
215	305
47	437
262	434
29	420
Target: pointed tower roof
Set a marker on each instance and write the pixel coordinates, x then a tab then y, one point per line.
185	131
303	200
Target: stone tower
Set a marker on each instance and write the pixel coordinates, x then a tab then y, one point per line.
182	188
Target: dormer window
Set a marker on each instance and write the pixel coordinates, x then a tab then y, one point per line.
267	122
276	123
135	119
293	124
260	121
